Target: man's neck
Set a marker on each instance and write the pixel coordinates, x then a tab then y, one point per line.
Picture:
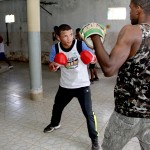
144	19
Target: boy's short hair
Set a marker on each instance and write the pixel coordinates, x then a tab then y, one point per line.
63	27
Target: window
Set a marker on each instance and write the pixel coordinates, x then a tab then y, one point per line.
9	18
116	13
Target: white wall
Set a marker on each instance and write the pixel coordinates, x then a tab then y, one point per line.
73	12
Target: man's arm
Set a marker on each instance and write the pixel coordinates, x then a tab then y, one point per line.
110	63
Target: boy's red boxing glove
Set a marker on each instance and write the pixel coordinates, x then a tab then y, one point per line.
60	59
87	57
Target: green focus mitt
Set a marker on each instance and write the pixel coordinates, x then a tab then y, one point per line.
91	29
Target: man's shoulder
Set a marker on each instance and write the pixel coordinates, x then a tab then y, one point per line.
130	27
130	30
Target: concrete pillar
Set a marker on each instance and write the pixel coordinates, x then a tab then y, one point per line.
34	43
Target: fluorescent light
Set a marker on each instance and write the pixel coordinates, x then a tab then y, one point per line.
9	18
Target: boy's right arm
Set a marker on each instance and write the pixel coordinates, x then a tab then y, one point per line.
52	65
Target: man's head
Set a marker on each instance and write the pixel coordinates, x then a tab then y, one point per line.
1	39
78	34
139	8
78	30
65	35
56	29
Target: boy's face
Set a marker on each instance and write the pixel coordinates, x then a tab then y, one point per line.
66	38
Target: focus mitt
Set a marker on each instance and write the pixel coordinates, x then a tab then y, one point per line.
91	29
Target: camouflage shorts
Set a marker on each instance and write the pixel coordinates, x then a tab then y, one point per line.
121	129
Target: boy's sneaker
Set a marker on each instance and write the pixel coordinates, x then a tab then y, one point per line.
49	128
95	145
11	67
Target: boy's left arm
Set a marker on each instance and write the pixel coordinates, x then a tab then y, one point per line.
87	55
85	47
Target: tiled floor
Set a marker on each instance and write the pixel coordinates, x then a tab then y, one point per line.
22	120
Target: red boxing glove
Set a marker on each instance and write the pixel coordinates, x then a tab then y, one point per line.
87	57
60	59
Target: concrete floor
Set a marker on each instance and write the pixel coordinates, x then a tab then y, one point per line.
22	120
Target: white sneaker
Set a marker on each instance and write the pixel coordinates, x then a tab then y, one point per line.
11	67
50	128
